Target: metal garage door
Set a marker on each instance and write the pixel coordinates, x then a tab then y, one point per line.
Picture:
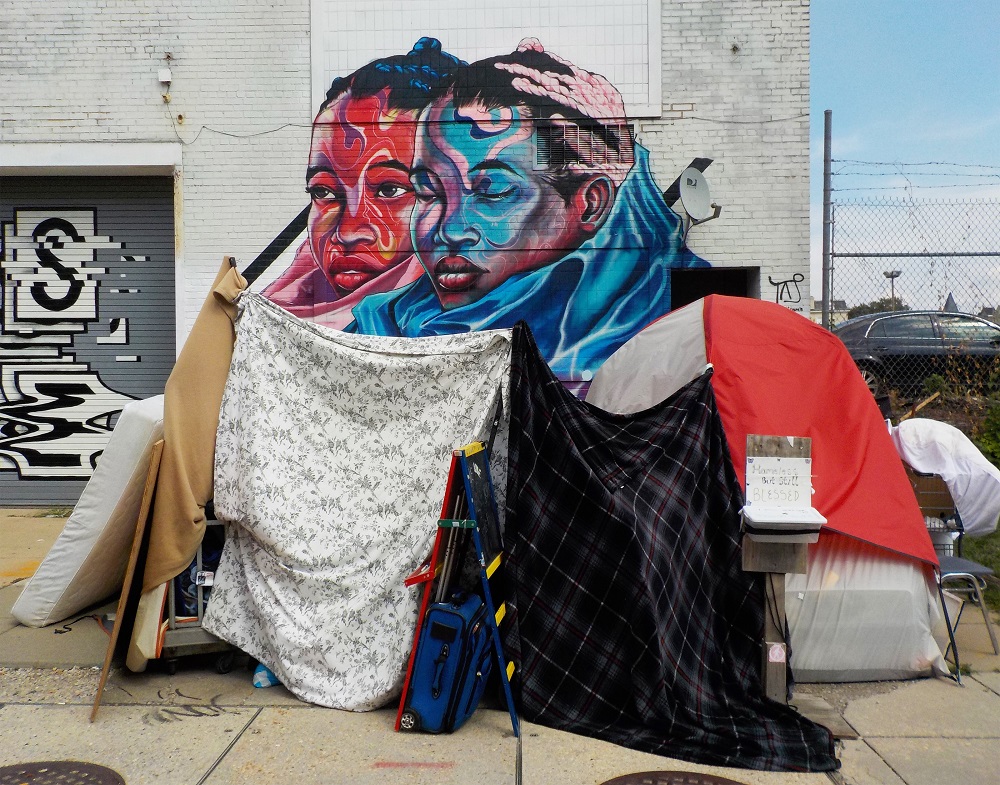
87	322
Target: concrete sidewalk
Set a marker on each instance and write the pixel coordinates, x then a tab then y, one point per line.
198	726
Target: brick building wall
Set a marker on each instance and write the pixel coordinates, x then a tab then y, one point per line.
81	71
736	89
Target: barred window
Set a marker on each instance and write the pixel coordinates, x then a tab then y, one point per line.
591	143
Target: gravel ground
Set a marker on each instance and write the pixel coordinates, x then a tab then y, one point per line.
49	685
839	695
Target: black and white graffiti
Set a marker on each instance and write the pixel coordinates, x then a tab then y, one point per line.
55	411
787	291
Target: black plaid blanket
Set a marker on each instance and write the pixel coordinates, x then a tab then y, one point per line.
632	620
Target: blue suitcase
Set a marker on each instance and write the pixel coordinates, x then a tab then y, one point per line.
453	662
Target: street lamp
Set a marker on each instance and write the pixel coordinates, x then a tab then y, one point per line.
892	275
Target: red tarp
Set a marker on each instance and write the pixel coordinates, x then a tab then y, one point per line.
779	374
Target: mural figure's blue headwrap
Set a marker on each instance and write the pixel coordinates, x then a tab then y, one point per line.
580	308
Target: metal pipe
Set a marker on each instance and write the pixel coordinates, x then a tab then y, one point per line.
827	216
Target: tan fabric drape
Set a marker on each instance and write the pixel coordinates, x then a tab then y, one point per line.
192	399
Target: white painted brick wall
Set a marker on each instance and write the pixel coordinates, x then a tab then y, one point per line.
86	71
740	73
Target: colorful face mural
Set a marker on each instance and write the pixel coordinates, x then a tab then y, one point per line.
526	198
358	179
485	210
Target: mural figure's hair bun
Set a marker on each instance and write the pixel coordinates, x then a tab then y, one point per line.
530	45
411	79
426	44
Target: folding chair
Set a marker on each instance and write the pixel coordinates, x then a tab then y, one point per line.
958	575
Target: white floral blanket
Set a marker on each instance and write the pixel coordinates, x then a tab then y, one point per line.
331	461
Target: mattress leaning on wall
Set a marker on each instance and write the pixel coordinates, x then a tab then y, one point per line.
87	562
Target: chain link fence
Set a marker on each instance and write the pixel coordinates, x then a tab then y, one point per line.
901	256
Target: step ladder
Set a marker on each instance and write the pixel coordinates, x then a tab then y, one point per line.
469	512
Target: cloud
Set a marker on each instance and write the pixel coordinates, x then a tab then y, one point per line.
955	128
843	145
849	145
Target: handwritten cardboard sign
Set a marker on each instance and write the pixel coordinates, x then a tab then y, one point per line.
779	482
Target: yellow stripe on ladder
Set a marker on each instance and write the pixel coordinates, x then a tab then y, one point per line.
510	670
494	566
501	612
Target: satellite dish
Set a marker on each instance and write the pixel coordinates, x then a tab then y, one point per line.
695	197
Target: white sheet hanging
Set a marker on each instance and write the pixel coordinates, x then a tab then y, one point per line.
938	448
331	461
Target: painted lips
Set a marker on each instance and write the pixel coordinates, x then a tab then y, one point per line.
347	273
456	274
349	280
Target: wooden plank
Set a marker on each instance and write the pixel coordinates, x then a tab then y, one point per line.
919	406
822	713
774	598
140	531
774	668
759	446
782	557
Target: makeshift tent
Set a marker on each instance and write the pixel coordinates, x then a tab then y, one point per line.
633	619
776	373
331	458
331	461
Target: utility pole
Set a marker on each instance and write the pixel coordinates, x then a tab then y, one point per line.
827	217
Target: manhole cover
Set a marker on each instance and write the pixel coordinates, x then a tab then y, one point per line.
670	778
62	772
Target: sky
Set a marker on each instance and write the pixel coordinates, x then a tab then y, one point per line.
908	82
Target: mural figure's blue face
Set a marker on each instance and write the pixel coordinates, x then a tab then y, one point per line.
485	210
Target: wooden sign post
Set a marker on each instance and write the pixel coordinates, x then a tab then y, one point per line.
779	522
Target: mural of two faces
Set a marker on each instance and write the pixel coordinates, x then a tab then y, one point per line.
448	197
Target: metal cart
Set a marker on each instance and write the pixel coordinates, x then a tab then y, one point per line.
185	635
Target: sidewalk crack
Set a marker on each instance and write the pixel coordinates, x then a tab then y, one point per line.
232	744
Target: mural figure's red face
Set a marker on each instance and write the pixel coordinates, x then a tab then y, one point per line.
358	179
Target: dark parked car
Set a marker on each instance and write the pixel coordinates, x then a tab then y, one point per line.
899	350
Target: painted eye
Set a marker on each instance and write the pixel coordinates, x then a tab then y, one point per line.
497	195
322	194
390	190
424	186
424	194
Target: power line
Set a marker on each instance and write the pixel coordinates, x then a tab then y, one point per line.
909	186
898	164
730	121
918	174
230	134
